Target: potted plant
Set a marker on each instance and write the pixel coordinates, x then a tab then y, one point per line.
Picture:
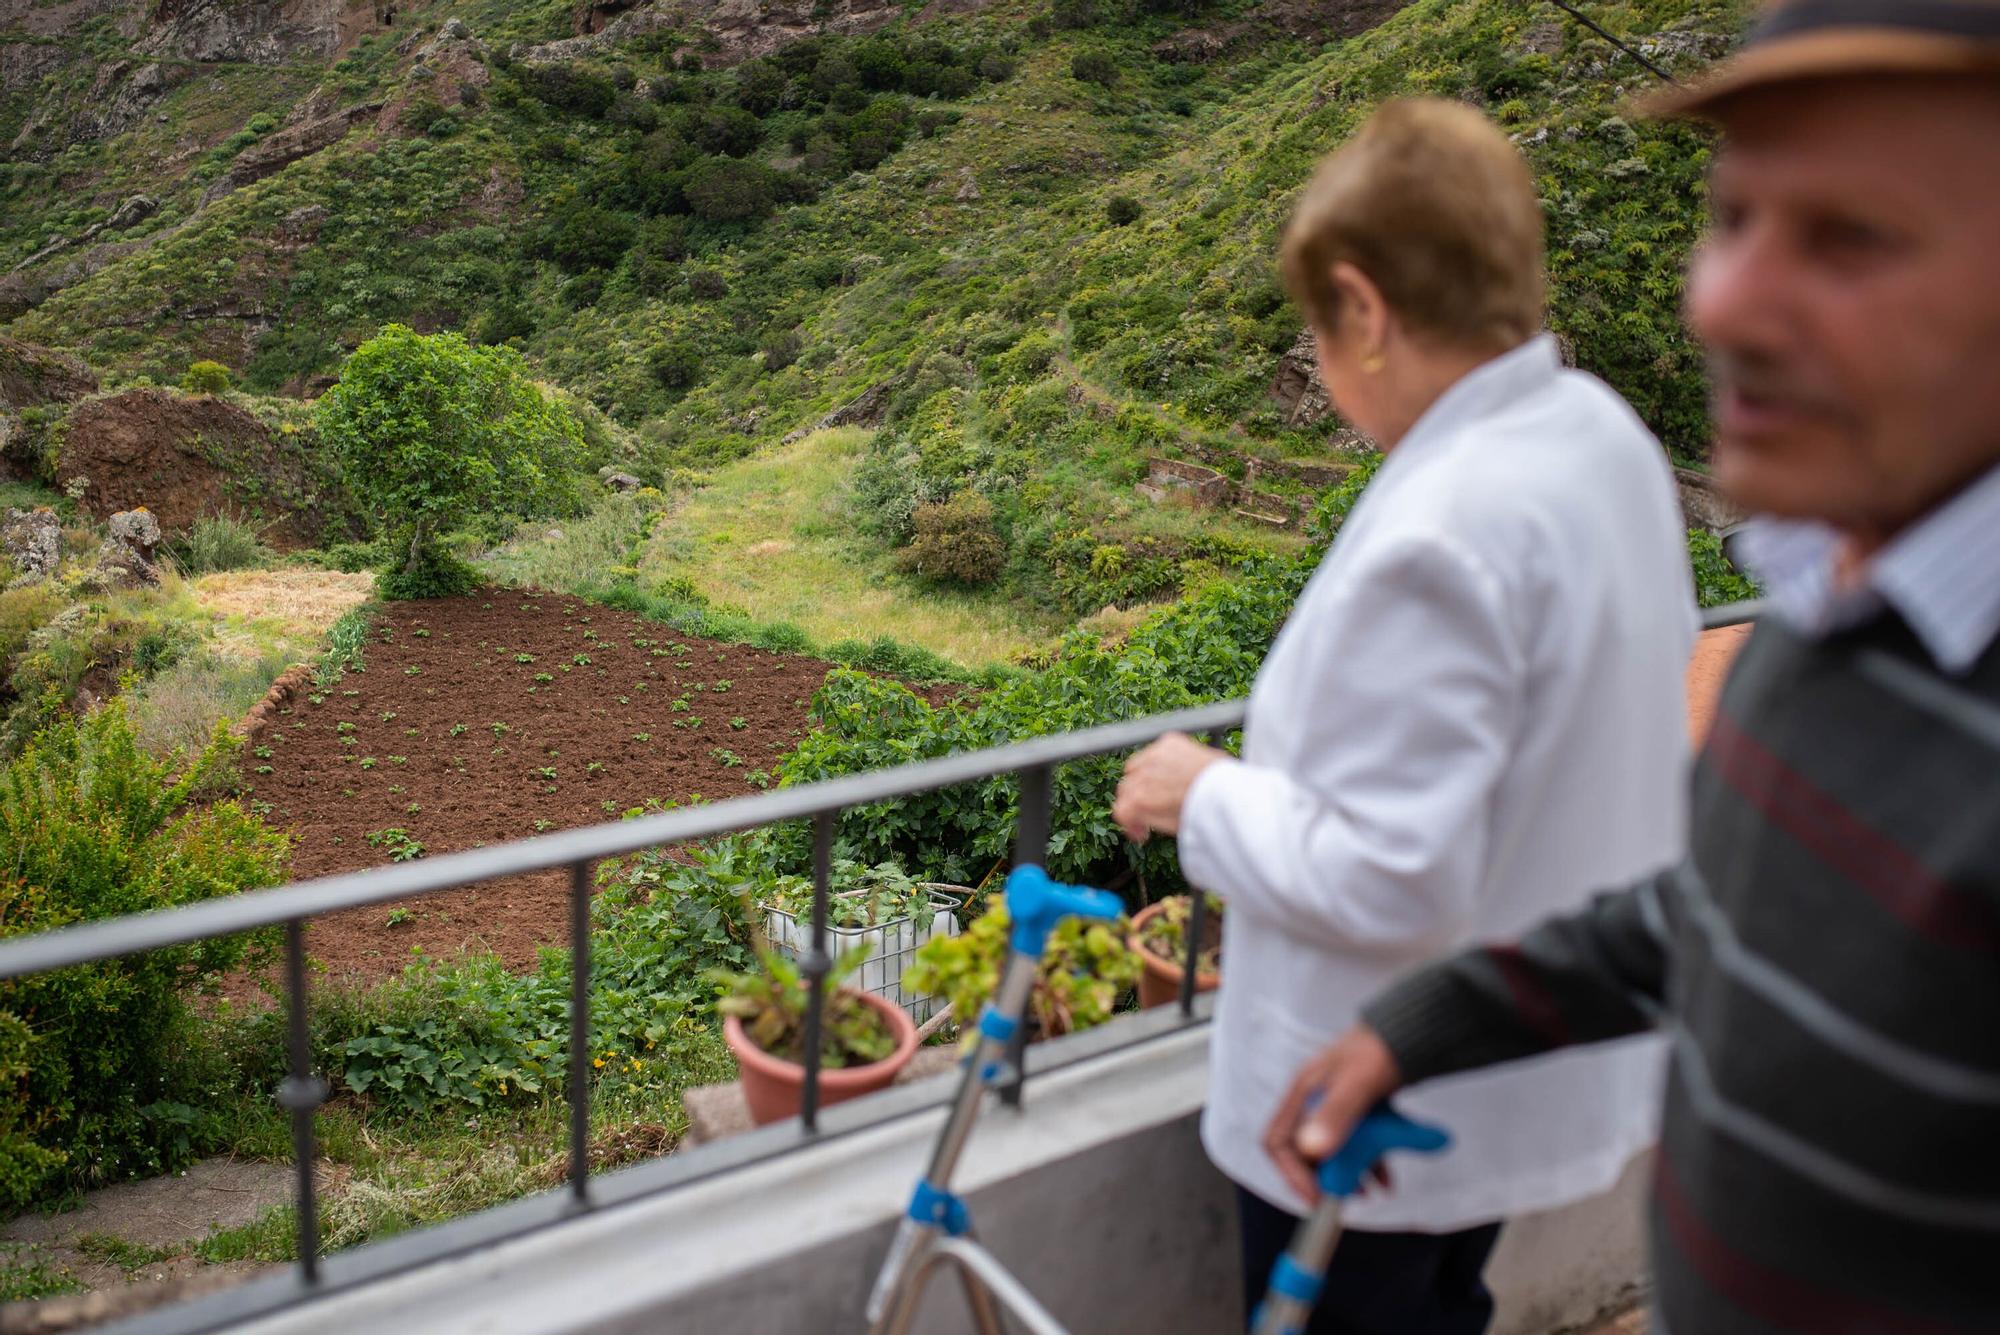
1086	970
1159	939
864	1040
879	909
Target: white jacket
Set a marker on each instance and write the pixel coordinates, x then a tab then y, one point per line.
1474	718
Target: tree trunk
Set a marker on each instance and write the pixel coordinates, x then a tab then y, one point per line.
417	537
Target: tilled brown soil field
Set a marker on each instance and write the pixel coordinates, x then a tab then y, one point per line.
497	716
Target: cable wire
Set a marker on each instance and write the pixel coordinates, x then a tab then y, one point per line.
1595	27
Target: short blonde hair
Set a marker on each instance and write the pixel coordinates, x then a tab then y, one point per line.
1432	202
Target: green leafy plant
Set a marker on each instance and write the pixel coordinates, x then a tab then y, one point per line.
858	895
398	843
1716	581
96	827
772	1004
1165	934
1085	973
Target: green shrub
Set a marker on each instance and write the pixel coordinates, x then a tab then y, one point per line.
956	541
676	364
1120	210
24	611
729	189
220	542
205	377
90	1089
1094	67
1207	647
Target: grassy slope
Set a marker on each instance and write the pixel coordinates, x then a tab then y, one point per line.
771	535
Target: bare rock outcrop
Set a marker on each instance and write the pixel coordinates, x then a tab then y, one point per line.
1300	394
282	148
33	540
130	554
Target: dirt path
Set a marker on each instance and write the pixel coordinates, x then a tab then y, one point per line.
497	716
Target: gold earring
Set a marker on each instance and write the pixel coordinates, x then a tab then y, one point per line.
1373	363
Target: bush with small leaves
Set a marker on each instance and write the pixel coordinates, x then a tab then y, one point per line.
1120	210
957	541
205	377
1096	67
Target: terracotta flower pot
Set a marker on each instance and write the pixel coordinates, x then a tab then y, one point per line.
1159	979
773	1086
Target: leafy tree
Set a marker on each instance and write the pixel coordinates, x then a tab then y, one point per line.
431	431
782	349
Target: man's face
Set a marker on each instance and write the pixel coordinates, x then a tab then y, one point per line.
1849	297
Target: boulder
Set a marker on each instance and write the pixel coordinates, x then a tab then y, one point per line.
130	551
33	539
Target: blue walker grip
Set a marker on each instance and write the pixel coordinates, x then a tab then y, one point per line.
1036	904
1382	1130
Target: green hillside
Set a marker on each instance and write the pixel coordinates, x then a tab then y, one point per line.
1045	234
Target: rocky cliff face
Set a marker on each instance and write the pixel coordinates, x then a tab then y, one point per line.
742	28
168	43
1300	393
262	33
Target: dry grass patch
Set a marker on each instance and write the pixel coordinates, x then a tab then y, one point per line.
295	603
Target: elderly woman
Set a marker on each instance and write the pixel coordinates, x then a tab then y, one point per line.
1473	717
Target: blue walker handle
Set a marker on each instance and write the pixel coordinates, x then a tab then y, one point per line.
1036	904
1382	1130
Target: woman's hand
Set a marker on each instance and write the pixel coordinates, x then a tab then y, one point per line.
1328	1096
1156	783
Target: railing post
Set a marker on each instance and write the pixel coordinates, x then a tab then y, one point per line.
1031	845
301	1094
816	965
579	1032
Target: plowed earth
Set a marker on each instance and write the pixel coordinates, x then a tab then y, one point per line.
449	735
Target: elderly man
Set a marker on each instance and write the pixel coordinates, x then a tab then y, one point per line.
1826	963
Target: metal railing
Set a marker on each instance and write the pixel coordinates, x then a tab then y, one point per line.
302	1092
